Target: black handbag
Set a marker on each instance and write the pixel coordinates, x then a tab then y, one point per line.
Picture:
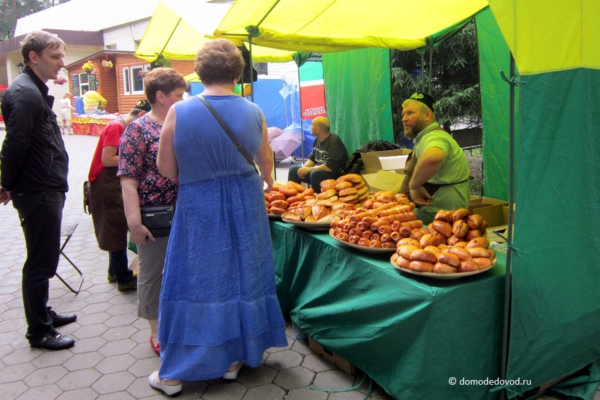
158	219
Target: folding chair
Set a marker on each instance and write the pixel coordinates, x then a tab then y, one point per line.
66	232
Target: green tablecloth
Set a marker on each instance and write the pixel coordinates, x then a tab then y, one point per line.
409	334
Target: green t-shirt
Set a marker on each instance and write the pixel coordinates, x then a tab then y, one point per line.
454	173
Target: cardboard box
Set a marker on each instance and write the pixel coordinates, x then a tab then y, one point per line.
384	180
333	358
387	160
497	234
490	209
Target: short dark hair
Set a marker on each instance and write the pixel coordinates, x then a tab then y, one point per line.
37	41
135	112
164	79
219	61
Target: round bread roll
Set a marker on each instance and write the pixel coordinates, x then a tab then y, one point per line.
460	228
348	199
475	222
423	255
354	178
462	254
327	184
478	242
361	190
441	268
359	185
461	213
428	240
402	262
442	227
326	194
384	196
434	249
472	234
363	196
288	191
481	252
421	266
449	258
405	250
468	266
342	185
482	262
410	241
347	192
297	186
444	215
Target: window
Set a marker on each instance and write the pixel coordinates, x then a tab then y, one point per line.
133	79
137	80
84	83
126	85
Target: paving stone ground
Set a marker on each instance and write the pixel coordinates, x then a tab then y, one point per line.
112	358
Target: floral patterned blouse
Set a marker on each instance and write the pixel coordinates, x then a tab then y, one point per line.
138	150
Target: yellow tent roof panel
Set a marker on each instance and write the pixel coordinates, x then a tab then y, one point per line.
336	25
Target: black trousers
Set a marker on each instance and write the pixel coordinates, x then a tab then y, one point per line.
314	178
40	214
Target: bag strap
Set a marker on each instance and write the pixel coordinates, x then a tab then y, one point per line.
236	142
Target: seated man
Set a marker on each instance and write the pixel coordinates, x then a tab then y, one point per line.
437	171
327	159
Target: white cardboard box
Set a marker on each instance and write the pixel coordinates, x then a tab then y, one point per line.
388	160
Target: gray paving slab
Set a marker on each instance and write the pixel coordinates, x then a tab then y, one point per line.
112	358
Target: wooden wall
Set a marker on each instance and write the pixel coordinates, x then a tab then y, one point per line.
184	67
127	101
110	80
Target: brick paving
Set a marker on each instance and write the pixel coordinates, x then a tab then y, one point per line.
112	358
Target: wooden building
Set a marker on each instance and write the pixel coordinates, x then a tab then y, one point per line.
117	76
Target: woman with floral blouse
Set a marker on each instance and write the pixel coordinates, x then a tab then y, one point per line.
144	186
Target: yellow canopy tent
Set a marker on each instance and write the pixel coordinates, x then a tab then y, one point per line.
337	25
553	324
561	36
177	29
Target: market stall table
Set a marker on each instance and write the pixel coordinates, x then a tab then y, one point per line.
409	334
91	124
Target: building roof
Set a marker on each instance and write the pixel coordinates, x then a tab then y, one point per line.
86	15
69	37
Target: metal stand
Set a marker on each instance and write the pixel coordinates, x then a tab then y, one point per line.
67	232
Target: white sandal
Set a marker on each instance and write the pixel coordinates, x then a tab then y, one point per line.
159	384
232	375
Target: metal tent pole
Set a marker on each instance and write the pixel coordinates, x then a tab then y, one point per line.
508	278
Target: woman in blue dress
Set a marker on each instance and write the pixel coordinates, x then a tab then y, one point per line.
218	307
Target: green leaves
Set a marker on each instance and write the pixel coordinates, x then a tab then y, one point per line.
454	73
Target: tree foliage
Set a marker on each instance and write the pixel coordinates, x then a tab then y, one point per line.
454	70
11	10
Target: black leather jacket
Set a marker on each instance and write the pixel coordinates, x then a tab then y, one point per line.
33	156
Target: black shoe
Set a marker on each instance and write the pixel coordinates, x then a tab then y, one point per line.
61	320
132	285
53	341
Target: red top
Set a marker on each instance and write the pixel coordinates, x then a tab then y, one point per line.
110	136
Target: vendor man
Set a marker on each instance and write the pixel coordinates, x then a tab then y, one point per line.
437	172
327	159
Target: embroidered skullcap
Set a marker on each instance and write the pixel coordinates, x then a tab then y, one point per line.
143	105
425	99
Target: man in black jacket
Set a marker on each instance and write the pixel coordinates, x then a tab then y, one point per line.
34	164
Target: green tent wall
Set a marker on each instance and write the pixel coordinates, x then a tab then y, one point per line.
357	93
